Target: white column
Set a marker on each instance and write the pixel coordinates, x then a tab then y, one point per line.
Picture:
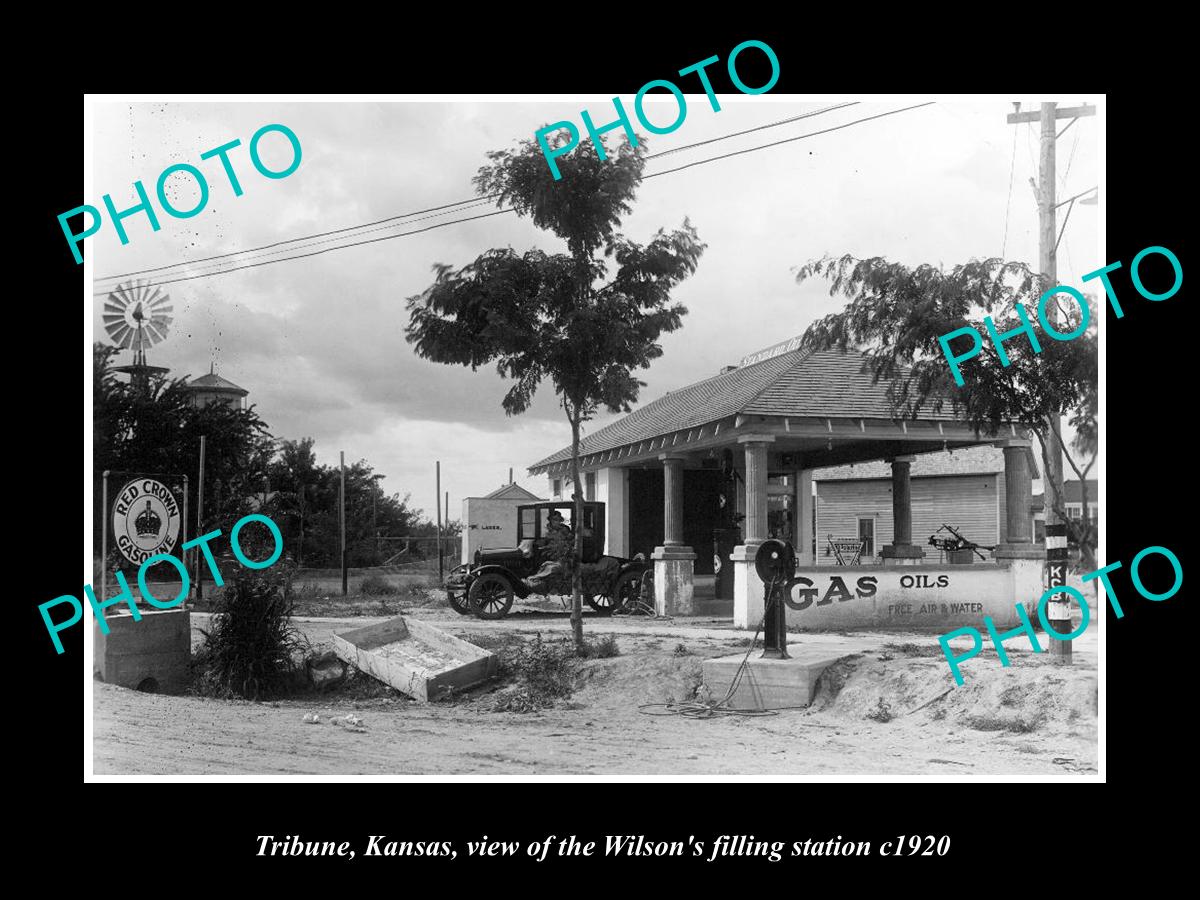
747	588
674	561
612	488
804	518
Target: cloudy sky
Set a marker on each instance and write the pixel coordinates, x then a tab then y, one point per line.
319	343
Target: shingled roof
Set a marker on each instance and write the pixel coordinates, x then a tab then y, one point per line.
214	382
824	383
981	460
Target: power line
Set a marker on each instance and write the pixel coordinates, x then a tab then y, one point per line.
188	267
1012	167
457	206
267	262
288	241
725	137
482	201
389	237
789	140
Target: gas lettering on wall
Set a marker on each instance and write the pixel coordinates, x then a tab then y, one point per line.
801	591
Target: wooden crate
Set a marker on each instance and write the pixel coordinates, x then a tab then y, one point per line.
415	658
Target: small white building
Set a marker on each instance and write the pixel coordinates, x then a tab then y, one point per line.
491	521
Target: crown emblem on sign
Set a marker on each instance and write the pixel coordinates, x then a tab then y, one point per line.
148	523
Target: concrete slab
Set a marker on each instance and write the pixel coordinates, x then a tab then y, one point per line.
770	683
415	658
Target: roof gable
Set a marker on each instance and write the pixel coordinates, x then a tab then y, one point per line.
511	492
214	382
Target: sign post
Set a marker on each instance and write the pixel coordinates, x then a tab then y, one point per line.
1058	608
200	521
104	539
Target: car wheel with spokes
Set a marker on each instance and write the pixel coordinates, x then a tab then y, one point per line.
490	596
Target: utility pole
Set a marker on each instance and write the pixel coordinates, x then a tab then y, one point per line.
200	523
436	502
342	518
1058	611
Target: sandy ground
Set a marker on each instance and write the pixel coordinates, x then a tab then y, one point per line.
891	709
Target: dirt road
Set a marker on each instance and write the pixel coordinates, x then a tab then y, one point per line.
878	714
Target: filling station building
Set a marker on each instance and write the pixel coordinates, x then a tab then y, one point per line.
697	479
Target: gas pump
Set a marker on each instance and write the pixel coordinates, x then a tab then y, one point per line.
775	564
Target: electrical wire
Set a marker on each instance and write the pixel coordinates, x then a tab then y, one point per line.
458	205
332	240
801	137
268	262
1012	168
265	262
289	240
725	137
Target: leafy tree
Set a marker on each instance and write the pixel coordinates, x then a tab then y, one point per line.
304	503
293	474
896	314
558	315
156	429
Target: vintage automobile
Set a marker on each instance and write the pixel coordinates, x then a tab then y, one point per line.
486	587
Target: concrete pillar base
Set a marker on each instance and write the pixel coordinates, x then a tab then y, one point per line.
1027	577
674	577
748	589
902	554
151	654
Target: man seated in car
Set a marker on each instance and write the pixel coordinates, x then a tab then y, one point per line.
555	549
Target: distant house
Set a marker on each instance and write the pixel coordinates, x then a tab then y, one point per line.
1073	497
961	488
491	521
560	488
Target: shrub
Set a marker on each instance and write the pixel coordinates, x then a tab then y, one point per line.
418	594
544	673
377	585
604	648
882	711
252	649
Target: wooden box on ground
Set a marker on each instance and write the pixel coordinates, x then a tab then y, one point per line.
415	658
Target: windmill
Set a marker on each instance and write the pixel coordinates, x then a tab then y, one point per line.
136	316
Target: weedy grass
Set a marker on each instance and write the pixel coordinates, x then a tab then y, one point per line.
252	650
378	586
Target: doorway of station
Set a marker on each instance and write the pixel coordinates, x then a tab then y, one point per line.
701	512
781	507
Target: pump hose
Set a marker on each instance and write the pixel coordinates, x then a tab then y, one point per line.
697	709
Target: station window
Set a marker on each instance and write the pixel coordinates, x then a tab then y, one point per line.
557	489
589	486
